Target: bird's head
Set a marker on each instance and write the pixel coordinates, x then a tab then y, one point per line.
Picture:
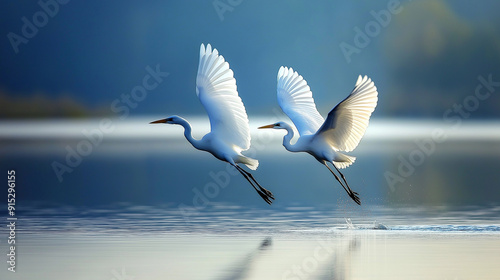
278	125
169	120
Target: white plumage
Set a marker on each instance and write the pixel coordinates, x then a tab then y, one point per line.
342	130
230	133
296	100
347	122
216	88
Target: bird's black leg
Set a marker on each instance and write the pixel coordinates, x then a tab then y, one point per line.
343	178
264	190
262	194
351	194
336	177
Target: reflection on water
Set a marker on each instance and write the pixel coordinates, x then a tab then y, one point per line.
230	242
233	242
242	268
138	207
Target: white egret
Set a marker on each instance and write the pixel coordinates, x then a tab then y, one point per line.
230	132
325	139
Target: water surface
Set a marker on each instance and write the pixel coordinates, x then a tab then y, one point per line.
143	204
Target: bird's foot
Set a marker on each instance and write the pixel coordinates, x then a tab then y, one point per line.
355	197
267	192
265	197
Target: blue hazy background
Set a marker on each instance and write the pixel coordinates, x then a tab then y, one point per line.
426	58
103	194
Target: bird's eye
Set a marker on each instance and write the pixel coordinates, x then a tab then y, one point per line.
277	124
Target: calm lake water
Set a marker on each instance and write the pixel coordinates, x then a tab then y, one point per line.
142	204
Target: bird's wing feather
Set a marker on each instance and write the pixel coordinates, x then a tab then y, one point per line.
347	122
295	99
216	88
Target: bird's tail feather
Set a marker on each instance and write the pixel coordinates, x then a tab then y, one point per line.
249	162
343	161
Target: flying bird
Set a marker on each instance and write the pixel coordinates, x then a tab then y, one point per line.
230	132
342	130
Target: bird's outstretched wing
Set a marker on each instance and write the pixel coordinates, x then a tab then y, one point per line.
216	88
347	122
295	99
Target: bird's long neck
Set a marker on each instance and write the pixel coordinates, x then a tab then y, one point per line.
287	140
187	133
